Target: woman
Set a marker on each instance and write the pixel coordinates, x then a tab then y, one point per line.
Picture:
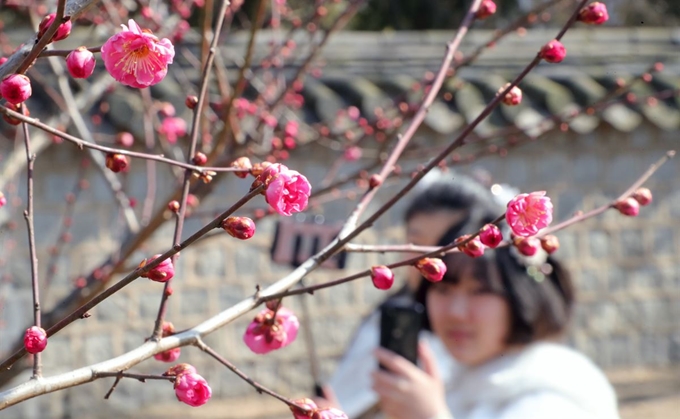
444	199
499	316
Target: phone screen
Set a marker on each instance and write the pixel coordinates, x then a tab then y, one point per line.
400	323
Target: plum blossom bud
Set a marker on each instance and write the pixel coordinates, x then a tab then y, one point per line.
629	207
486	9
35	340
382	277
553	52
490	235
329	413
199	159
242	228
305	403
192	201
62	32
125	139
550	244
528	246
161	273
167	329
594	14
271	330
116	162
23	109
513	97
178	369
171	355
473	248
643	196
173	128
3	200
191	101
529	213
173	206
242	163
352	153
80	63
192	389
432	269
16	88
374	181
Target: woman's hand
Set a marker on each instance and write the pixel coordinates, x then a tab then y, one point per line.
406	391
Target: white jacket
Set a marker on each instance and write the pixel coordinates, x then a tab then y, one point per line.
542	381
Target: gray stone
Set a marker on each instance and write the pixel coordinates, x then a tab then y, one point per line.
194	302
617	279
212	262
568	202
586	168
97	347
663	242
631	244
654	350
599	243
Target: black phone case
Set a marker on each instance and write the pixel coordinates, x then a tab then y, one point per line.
400	323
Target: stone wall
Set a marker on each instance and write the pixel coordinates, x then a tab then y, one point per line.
626	270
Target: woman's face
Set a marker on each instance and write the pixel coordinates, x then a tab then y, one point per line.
472	323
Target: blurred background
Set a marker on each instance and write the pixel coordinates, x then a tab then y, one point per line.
587	128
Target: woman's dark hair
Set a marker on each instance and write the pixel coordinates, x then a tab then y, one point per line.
540	298
451	192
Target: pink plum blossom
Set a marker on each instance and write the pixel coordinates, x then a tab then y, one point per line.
288	192
192	389
3	200
529	213
270	331
136	58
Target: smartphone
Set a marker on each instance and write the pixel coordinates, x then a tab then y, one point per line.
400	323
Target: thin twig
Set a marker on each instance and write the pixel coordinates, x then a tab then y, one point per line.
195	128
139	377
28	215
259	387
84	144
